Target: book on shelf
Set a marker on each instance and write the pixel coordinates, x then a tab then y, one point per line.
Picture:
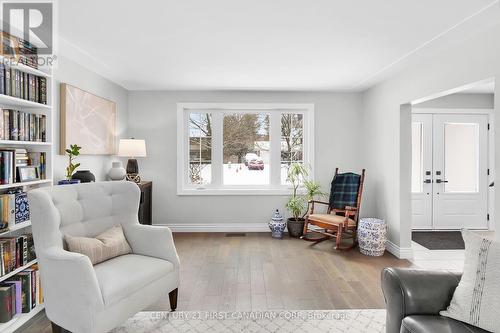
7	302
18	302
8	210
12	159
16	252
27	53
7	165
21	293
22	126
19	84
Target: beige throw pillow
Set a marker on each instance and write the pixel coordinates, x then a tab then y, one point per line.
111	243
477	297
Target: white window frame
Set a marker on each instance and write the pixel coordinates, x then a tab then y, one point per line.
218	109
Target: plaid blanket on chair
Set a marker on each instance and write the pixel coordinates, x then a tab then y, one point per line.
344	192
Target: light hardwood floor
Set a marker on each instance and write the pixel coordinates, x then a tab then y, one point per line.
256	272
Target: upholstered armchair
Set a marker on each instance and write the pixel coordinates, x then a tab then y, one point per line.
83	298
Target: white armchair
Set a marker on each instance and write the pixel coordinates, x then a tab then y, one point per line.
83	298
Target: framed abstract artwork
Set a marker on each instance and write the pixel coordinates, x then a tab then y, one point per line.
88	121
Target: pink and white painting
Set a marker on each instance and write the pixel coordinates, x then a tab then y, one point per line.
88	121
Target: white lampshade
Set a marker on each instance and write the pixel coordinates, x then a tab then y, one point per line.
132	148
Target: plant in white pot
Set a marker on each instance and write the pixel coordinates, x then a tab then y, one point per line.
303	190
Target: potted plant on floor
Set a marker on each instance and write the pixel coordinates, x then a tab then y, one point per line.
303	190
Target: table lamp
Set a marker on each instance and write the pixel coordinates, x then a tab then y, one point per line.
132	148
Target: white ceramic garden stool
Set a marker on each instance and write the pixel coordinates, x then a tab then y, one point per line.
372	236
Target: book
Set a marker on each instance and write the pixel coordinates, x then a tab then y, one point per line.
7	164
6	124
13	124
21	84
32	272
2	78
21	131
2	134
7	81
43	90
23	250
39	288
13	83
9	255
30	247
2	266
6	309
26	300
18	292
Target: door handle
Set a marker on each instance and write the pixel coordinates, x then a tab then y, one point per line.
428	181
439	181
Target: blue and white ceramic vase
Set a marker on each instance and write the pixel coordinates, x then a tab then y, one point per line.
372	236
277	225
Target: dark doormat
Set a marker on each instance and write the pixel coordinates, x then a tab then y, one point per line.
439	240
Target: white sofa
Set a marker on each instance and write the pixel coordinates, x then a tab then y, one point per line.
83	298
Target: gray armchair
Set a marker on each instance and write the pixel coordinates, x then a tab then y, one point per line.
414	298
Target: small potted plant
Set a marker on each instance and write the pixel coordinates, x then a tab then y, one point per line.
303	190
72	151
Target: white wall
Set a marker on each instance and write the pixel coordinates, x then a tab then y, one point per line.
70	72
387	136
153	117
460	101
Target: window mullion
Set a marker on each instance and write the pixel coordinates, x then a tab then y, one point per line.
275	138
217	158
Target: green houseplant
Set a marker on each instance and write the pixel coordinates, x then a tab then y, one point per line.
73	151
303	190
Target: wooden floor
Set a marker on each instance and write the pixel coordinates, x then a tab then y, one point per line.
222	272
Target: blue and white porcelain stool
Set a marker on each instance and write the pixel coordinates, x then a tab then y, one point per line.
372	236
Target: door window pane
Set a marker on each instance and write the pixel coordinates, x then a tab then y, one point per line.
461	153
417	157
292	142
246	149
200	148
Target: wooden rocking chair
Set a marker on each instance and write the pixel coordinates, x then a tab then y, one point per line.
342	215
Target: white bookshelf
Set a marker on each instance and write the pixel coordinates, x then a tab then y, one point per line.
15	227
26	69
9	102
18	270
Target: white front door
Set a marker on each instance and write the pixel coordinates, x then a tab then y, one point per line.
450	171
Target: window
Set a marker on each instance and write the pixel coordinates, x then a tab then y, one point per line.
241	148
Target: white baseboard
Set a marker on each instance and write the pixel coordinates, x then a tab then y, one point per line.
399	252
218	227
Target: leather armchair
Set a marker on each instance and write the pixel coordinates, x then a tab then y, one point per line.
83	298
414	298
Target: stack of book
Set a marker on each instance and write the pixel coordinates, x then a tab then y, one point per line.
22	126
16	252
16	83
11	159
21	293
28	53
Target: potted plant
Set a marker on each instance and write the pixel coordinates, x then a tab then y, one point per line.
303	190
72	151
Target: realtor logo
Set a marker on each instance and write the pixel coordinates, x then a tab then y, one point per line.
33	20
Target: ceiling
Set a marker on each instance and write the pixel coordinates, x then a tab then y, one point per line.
261	44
